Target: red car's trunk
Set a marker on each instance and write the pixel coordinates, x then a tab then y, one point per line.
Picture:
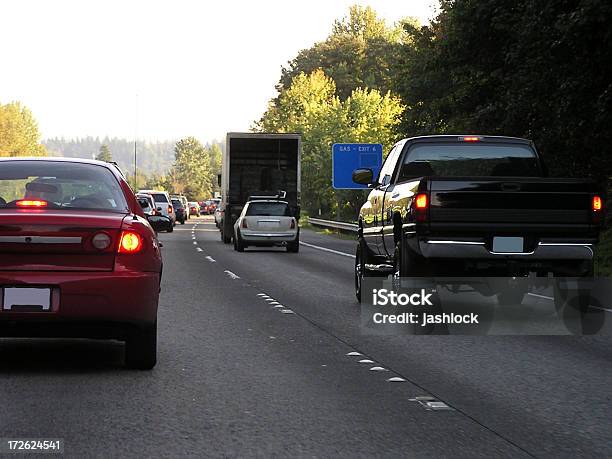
56	240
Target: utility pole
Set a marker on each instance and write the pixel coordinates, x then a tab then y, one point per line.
135	137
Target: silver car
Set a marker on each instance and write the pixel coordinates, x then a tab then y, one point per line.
266	223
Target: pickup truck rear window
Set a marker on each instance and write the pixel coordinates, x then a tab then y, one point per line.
469	160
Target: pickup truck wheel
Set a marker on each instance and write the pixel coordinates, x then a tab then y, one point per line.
362	257
405	263
141	348
511	297
579	301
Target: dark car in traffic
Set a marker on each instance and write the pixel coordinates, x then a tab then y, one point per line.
181	213
78	256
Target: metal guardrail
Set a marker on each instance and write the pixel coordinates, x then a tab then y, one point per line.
333	224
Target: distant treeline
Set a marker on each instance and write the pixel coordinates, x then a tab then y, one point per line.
153	157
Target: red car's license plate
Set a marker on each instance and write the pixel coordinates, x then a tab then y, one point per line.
26	299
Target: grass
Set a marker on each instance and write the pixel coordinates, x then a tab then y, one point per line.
603	254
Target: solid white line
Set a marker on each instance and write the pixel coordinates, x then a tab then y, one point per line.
541	296
551	298
325	249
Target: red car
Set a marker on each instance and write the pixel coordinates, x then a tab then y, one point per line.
78	256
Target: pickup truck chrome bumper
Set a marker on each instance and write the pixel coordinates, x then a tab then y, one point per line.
473	249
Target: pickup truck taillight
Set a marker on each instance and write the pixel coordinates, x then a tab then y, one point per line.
421	205
596	204
596	209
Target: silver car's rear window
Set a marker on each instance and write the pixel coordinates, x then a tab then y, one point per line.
61	185
273	209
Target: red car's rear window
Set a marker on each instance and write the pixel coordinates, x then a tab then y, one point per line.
61	185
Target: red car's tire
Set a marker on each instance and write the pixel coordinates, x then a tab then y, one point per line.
141	348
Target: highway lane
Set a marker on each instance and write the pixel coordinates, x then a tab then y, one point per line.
236	376
548	394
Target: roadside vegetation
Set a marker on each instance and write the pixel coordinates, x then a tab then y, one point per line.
535	69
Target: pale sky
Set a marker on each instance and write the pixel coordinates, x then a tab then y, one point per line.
190	67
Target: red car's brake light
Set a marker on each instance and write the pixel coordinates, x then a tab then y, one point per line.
130	242
170	209
470	139
31	203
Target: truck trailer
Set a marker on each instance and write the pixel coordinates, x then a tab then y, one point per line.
258	164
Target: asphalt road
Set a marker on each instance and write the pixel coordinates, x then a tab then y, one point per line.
254	361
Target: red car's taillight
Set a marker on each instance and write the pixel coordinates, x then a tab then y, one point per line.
130	242
31	203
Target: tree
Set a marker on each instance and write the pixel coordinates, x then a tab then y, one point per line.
358	53
311	107
105	154
541	70
191	173
19	135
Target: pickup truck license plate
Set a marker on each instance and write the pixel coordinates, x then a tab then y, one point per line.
30	299
508	244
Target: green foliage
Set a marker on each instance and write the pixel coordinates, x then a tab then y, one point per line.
105	154
541	70
153	157
311	107
191	174
19	135
358	53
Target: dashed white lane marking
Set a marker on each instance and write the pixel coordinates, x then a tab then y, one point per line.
195	242
325	249
378	369
354	353
287	311
396	379
231	274
199	249
545	297
366	361
274	302
262	295
211	259
269	299
278	306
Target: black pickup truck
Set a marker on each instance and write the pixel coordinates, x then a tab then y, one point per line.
470	206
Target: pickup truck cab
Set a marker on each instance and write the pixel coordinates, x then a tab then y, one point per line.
453	205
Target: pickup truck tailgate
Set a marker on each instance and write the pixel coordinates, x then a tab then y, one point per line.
511	203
